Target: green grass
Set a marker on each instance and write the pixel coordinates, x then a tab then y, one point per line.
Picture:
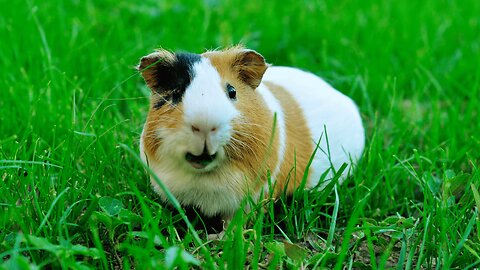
71	107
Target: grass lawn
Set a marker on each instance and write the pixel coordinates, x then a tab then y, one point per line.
74	195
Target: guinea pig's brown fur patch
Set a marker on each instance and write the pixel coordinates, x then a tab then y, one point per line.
167	117
249	149
298	146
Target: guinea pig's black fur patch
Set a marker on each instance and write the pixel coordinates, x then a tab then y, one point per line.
175	77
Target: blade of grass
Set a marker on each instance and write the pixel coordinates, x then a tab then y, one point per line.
172	200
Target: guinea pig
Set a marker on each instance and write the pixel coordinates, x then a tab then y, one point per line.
224	125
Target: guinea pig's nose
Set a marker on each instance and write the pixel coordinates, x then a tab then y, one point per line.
203	129
195	129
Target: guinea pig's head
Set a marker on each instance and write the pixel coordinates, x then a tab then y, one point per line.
198	103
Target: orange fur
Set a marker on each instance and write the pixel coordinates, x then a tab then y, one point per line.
168	116
299	147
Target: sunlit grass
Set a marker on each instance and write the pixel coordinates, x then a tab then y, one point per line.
72	104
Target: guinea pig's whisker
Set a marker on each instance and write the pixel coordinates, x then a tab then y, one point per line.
249	124
244	147
237	146
241	144
240	148
234	152
164	117
169	102
154	122
151	134
151	137
161	120
154	146
249	136
243	120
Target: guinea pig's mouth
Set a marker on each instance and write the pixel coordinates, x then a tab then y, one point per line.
200	162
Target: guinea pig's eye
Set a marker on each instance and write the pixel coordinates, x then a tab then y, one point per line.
232	93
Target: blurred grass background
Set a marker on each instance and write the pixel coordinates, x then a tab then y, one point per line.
69	96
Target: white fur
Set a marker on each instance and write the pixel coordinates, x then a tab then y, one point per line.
207	106
275	108
323	106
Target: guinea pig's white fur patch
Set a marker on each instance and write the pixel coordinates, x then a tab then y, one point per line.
275	107
206	107
325	109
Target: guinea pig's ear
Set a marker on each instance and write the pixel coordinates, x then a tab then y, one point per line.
250	67
153	66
